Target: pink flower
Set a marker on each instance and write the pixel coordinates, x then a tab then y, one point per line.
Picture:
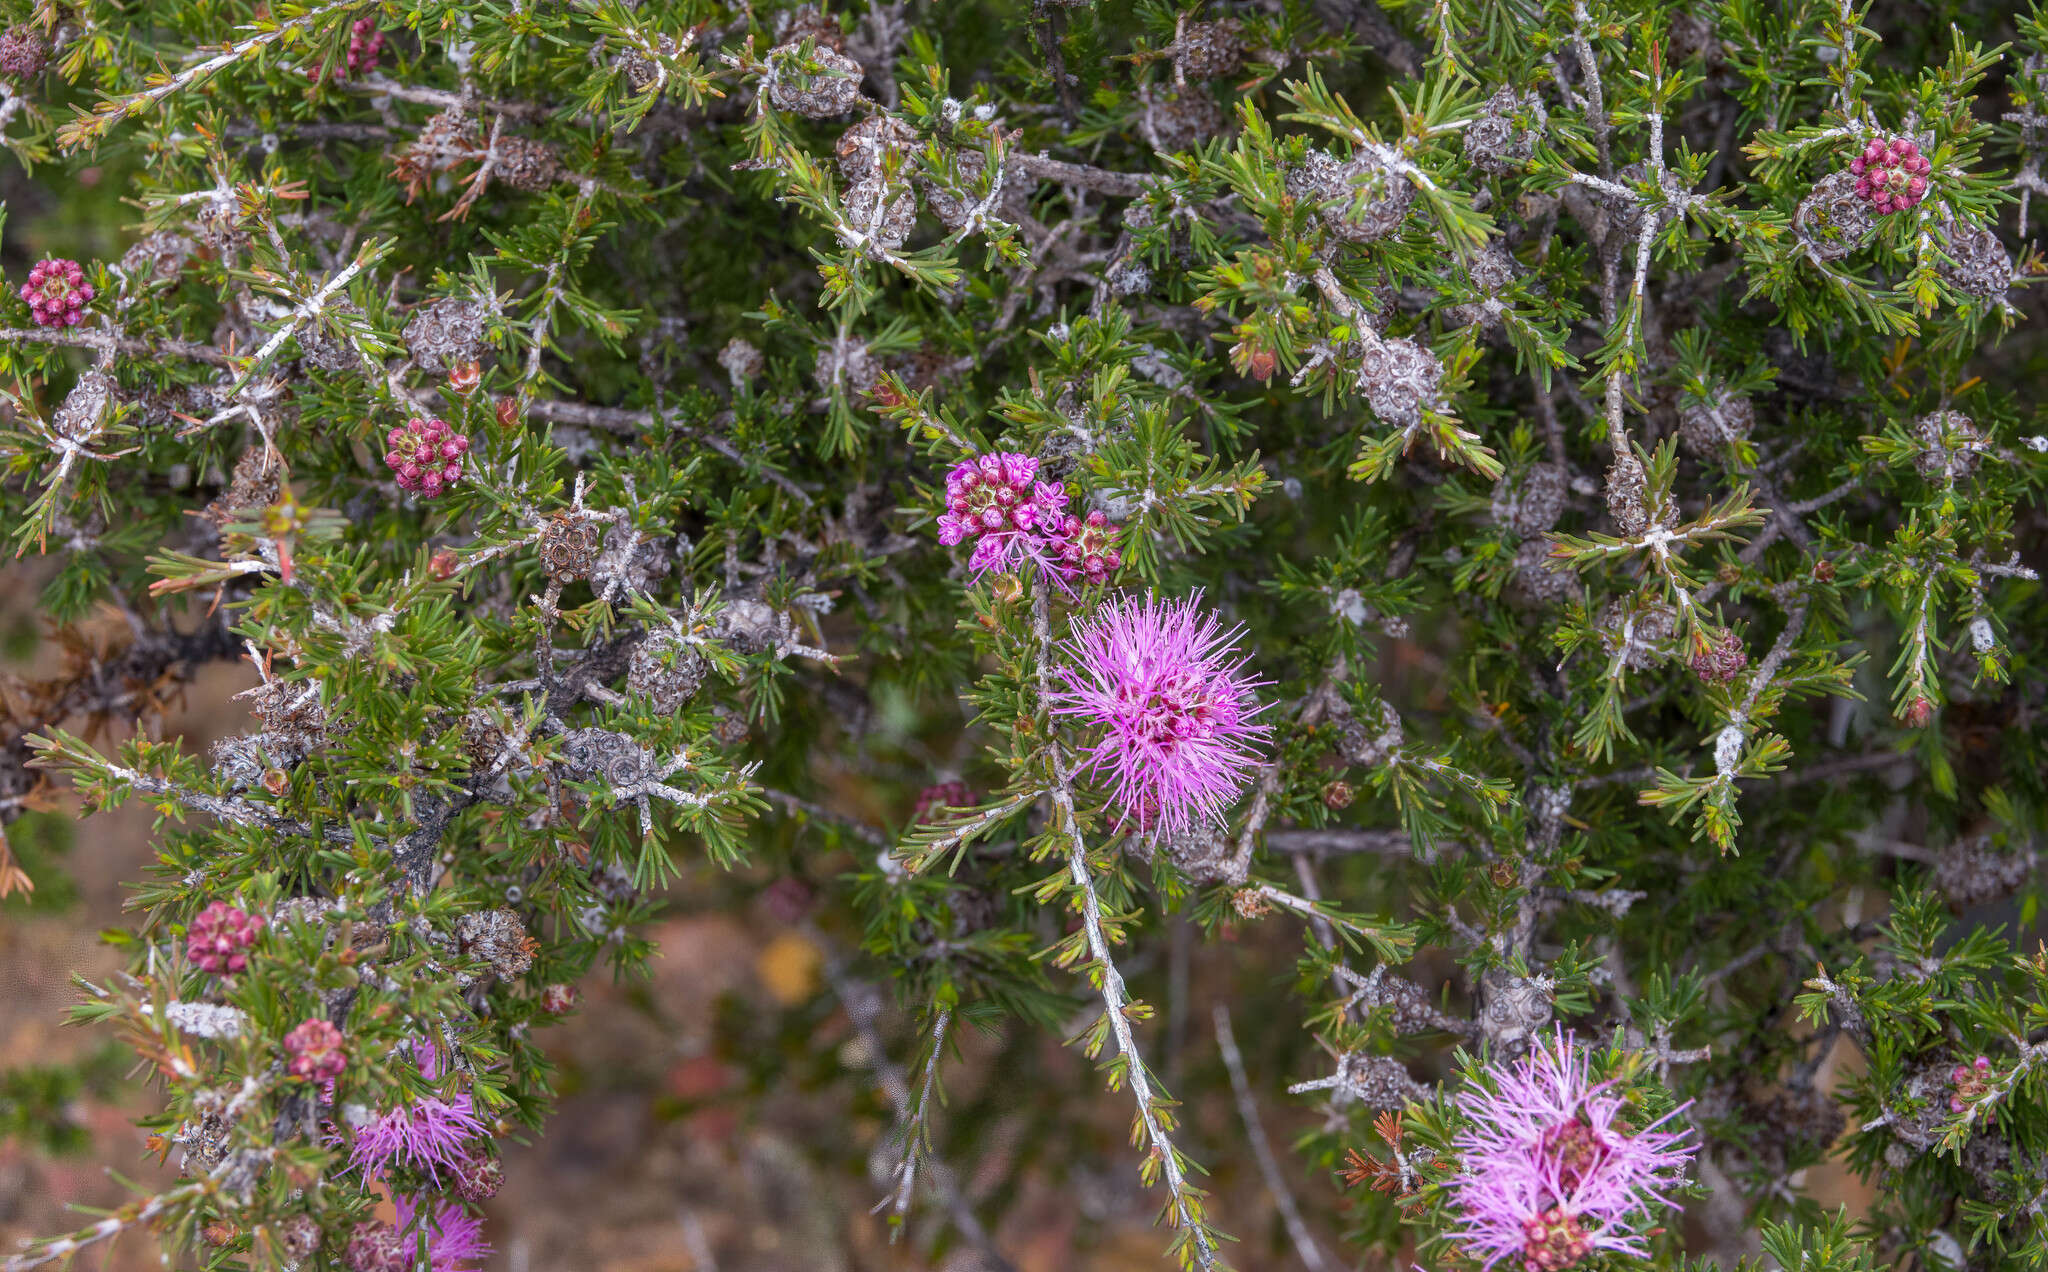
23	53
315	1049
426	455
1891	175
1175	707
427	1135
56	292
455	1237
1552	1170
220	937
997	501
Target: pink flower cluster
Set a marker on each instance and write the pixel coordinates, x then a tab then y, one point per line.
1552	1171
365	44
997	501
219	939
426	455
1970	1083
56	292
933	801
315	1049
1891	175
1175	707
455	1239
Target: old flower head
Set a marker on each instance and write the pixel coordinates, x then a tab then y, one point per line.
1552	1170
1174	706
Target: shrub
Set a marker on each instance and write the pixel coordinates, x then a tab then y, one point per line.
1519	513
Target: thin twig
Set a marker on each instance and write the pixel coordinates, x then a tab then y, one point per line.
1262	1152
1116	1000
859	1000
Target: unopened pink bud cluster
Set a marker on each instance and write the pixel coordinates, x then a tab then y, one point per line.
1085	547
933	801
1891	175
365	43
997	501
1970	1082
56	292
426	455
219	939
314	1046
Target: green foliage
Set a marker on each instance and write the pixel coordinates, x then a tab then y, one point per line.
1633	534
